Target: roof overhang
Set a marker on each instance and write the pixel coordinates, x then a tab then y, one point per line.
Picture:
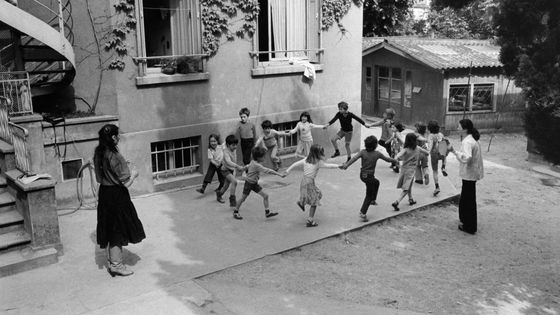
396	50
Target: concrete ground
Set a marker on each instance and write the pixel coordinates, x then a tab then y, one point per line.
190	235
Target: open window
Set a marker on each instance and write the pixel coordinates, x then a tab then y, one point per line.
170	41
288	32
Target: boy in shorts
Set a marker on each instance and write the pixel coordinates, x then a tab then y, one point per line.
229	165
254	169
345	117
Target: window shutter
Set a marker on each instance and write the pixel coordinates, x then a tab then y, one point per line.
314	29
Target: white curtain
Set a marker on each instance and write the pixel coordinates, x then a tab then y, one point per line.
296	21
278	29
181	27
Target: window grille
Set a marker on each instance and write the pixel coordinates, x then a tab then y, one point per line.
288	143
175	157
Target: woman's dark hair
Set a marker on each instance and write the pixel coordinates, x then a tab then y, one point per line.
433	126
399	126
306	114
420	127
370	143
231	139
467	125
267	124
410	141
215	136
258	152
106	143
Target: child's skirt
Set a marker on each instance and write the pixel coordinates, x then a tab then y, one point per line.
406	177
309	193
303	147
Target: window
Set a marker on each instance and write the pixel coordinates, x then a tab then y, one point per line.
287	30
70	169
389	82
461	99
286	144
175	157
408	89
170	36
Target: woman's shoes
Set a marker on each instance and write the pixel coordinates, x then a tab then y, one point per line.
119	270
395	205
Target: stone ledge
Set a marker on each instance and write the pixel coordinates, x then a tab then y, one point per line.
6	147
26	259
39	184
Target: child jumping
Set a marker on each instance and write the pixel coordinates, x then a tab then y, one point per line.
305	139
434	139
247	134
254	169
215	156
422	168
369	158
268	142
345	117
409	157
309	193
229	165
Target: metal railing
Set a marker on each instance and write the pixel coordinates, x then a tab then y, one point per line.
15	87
5	133
19	141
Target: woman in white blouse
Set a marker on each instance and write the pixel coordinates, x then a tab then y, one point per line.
471	170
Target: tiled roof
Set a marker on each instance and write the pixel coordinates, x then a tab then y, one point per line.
439	53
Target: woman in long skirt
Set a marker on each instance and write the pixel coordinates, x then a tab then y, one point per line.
117	220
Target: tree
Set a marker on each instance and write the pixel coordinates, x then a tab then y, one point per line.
383	17
447	23
529	36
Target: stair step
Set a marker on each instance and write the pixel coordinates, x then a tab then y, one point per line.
6	199
3	182
41	53
10	219
26	259
14	238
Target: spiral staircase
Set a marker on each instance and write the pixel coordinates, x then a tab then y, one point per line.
36	40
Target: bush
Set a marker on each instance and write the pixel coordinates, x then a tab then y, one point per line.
542	124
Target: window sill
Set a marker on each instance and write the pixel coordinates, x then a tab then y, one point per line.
472	112
281	69
160	78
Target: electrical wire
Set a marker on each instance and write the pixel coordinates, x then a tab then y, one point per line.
80	190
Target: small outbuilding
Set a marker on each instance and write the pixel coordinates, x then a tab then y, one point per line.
439	79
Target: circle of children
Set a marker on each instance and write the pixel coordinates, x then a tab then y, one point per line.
411	151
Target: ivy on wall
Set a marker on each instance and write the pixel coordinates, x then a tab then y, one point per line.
332	11
126	23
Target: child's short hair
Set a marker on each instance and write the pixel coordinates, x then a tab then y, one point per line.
316	153
390	113
433	126
399	126
370	143
420	127
231	139
215	136
258	152
306	114
410	140
267	124
343	105
245	111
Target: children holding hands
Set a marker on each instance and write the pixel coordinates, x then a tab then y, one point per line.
229	165
215	156
305	139
269	143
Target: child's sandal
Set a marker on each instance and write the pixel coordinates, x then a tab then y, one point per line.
411	202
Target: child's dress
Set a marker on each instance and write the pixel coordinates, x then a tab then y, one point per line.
305	140
409	160
309	193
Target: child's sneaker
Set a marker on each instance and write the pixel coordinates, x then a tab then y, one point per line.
336	153
411	202
443	171
395	206
219	197
269	214
200	190
311	223
363	216
419	181
396	169
237	216
436	192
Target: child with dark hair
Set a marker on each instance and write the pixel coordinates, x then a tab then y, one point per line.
434	142
345	117
409	157
395	141
386	130
305	139
309	192
247	134
422	168
229	165
215	156
269	143
369	158
254	169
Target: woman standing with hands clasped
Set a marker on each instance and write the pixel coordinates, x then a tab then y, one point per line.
117	220
471	170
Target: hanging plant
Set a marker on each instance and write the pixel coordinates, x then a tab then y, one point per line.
334	10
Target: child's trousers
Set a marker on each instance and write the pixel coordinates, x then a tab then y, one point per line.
210	175
372	187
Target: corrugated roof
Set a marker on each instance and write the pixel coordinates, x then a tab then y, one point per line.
438	53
